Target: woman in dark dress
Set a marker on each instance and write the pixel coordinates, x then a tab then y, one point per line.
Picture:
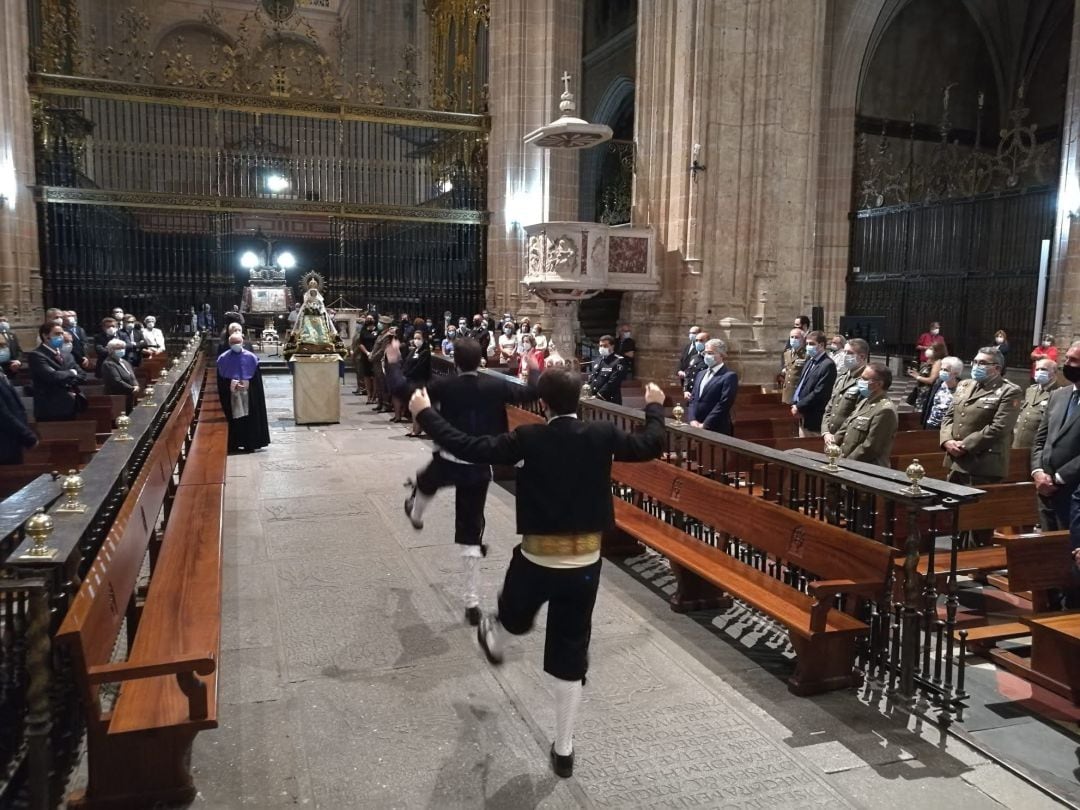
416	368
363	346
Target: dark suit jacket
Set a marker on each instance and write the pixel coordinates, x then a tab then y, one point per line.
101	341
472	402
817	383
1057	442
713	406
417	366
15	433
53	382
606	376
119	378
78	343
564	486
688	354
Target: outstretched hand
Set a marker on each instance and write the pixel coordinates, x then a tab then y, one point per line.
654	395
393	350
419	402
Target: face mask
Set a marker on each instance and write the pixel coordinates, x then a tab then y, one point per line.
935	331
693	335
710	359
236	347
5	355
508	331
943	375
794	343
812	351
118	354
699	346
626	334
418	343
604	351
979	373
461	324
149	324
56	342
129	326
110	331
429	324
851	361
864	388
1042	376
999	340
1072	373
4	326
67	348
527	347
118	315
1046	343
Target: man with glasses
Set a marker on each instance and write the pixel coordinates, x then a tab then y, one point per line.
815	386
977	430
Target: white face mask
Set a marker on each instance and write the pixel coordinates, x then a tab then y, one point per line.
604	351
236	347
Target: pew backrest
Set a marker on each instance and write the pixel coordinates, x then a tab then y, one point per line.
1039	563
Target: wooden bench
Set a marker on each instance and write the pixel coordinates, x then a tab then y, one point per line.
757	429
823	636
82	431
139	751
911	442
933	463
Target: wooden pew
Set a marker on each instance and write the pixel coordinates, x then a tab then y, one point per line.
63	454
823	637
755	429
908	442
140	751
933	463
16	476
84	432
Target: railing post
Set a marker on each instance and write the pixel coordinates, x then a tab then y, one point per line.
910	632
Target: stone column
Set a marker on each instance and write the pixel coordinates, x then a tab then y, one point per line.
531	43
743	79
20	276
1063	290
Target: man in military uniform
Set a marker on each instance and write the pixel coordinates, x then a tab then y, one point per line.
868	433
696	366
794	362
845	393
1035	400
608	372
977	430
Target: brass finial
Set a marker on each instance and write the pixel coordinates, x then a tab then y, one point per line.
677	414
586	391
833	452
72	485
175	362
148	398
164	375
123	422
915	473
38	529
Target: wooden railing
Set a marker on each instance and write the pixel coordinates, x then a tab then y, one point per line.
910	651
41	723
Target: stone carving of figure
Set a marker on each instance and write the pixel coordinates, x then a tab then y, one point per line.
564	256
315	332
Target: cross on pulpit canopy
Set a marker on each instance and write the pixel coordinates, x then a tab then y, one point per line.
566	81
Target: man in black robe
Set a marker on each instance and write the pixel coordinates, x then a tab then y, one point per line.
241	390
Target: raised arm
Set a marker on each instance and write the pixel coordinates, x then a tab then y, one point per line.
502	449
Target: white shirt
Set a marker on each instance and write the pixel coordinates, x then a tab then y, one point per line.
709	374
507	345
154	338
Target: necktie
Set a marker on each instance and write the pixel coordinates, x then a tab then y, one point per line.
1072	403
705	380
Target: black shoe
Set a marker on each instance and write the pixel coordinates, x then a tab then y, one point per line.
563	766
472	616
417	523
484	629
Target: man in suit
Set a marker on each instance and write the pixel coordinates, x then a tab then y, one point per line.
15	432
845	392
78	338
1036	398
714	391
977	430
815	386
54	381
474	403
697	364
868	433
133	337
626	348
14	361
689	352
1055	453
110	328
563	505
607	373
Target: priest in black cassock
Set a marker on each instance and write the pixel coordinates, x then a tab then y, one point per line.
241	390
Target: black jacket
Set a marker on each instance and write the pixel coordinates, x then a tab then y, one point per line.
53	382
564	485
713	407
15	433
606	376
119	378
417	365
816	390
687	356
1057	443
472	402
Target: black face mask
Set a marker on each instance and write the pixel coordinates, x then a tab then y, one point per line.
1072	373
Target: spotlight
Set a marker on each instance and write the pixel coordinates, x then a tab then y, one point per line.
276	183
249	260
286	260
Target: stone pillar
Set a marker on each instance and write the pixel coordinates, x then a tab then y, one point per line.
1063	290
743	79
20	275
532	43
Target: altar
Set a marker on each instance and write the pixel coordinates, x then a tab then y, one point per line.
316	389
